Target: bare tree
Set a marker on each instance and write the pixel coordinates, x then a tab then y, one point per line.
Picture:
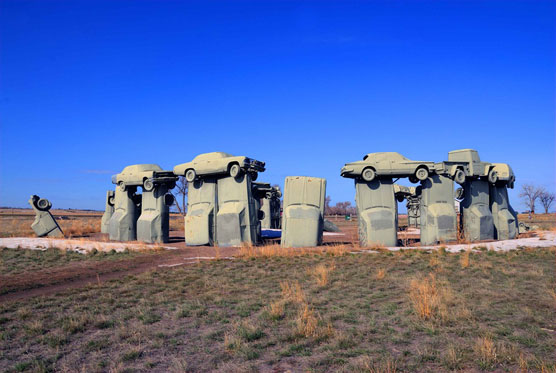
530	193
327	205
180	193
546	199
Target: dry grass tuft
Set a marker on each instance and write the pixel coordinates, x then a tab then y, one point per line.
367	365
307	322
292	292
276	310
464	260
380	274
485	350
321	273
430	300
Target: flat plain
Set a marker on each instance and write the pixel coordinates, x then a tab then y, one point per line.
325	309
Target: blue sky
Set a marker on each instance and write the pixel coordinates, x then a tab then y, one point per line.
88	87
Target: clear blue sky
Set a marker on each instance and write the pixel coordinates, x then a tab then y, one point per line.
88	87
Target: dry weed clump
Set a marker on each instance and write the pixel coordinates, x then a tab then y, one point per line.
292	292
308	322
485	350
380	274
464	260
276	310
366	364
431	300
321	273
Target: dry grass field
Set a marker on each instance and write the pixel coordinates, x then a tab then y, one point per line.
317	309
406	311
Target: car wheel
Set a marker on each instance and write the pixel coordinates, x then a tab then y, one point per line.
400	198
111	201
190	175
459	176
459	193
254	175
42	204
148	185
422	173
121	185
235	170
413	179
368	174
492	177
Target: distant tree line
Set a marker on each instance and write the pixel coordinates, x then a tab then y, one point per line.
341	208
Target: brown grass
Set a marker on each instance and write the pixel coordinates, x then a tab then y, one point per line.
464	260
380	274
275	250
429	299
367	365
292	292
79	227
485	350
321	273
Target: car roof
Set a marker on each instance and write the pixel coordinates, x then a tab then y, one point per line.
141	168
213	155
384	156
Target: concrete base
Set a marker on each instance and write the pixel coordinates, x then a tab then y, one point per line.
438	216
123	223
504	217
154	223
377	210
476	218
237	219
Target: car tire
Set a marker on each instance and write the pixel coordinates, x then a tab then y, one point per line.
459	193
254	175
190	175
413	179
235	170
43	204
492	177
422	174
368	174
111	201
121	185
148	185
400	198
459	176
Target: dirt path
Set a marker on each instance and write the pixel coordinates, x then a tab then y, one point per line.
53	280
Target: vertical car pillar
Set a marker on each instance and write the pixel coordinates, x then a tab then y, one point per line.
44	223
237	220
476	218
438	216
266	222
154	223
123	223
504	216
377	211
303	217
200	221
414	211
108	211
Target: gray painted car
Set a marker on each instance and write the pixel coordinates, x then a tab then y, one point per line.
387	164
219	163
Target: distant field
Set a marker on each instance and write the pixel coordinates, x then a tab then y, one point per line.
406	311
76	223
